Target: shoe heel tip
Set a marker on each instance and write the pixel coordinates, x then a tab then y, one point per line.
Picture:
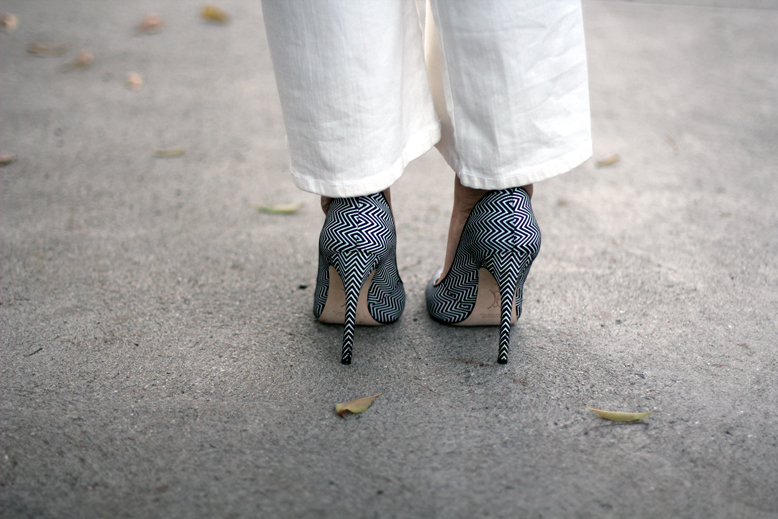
502	361
345	361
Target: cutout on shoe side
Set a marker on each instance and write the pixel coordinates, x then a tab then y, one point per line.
486	311
335	308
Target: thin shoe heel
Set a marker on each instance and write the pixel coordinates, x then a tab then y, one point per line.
353	267
507	271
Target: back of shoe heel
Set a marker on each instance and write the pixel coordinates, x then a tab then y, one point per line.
501	235
357	238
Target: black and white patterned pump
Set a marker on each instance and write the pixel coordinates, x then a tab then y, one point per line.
358	238
502	236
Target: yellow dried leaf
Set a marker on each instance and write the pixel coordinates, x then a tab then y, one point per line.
211	13
356	406
9	22
616	416
7	159
150	24
42	50
83	60
610	160
134	81
169	152
279	208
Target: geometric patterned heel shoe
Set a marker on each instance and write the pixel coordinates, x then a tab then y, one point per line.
358	281
499	242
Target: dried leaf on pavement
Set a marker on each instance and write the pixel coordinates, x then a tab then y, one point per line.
39	49
7	159
134	81
616	416
150	24
356	406
8	22
169	152
610	160
211	13
83	60
279	208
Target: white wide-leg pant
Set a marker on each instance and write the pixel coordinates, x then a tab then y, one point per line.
502	92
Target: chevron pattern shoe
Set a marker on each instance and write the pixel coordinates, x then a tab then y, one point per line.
358	281
499	242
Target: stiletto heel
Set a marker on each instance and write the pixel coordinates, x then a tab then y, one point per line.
353	267
499	242
358	281
506	270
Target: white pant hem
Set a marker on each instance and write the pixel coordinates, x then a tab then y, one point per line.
523	176
415	147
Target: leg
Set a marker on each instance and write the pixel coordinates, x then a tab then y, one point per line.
353	90
513	76
357	108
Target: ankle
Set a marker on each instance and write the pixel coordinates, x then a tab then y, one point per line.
325	203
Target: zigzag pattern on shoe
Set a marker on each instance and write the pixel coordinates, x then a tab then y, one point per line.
501	235
358	237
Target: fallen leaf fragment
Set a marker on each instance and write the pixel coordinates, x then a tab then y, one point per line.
39	49
610	160
83	60
134	81
211	13
150	24
7	159
616	416
9	22
356	406
169	152
279	208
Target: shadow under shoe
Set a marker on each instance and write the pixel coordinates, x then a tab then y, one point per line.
499	242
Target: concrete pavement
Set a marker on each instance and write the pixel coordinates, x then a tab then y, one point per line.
160	360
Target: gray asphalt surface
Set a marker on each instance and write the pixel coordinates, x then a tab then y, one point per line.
160	360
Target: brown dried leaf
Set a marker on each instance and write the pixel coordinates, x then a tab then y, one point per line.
134	81
616	416
356	406
610	160
83	60
211	13
39	49
169	152
150	24
8	22
279	208
7	159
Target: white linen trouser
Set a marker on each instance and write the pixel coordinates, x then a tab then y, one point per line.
506	97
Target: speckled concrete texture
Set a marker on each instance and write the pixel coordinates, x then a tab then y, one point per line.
159	357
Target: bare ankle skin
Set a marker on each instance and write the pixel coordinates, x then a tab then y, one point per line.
465	199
